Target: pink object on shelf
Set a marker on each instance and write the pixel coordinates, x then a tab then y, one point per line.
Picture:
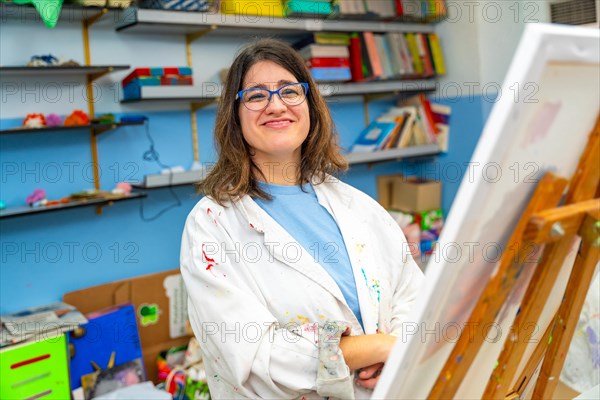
122	188
53	120
36	196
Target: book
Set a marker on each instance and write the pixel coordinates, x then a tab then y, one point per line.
409	114
111	330
331	73
430	123
419	136
328	62
399	11
412	9
424	54
441	118
395	136
321	50
367	68
306	8
373	54
355	58
383	57
373	136
381	8
393	46
436	54
333	38
405	55
414	53
424	127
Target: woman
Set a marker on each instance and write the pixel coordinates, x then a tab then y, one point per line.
295	279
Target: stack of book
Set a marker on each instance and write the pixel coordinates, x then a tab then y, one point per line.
412	10
39	323
414	122
395	55
327	56
154	76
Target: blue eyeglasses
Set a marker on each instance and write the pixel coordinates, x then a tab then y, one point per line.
257	99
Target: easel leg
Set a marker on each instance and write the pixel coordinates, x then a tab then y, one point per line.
570	309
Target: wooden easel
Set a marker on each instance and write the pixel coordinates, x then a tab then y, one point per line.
546	223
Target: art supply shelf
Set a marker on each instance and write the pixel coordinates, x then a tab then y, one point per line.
20	211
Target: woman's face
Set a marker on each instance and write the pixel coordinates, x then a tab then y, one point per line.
276	133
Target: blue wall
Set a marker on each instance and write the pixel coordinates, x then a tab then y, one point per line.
47	255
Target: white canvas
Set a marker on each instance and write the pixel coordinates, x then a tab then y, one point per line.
542	126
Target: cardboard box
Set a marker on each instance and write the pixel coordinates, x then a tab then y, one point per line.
35	369
413	194
160	303
384	189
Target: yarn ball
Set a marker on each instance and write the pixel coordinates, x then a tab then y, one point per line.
77	117
53	120
34	121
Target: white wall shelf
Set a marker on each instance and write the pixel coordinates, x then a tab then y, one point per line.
211	91
68	13
20	211
91	70
174	179
393	154
97	127
175	22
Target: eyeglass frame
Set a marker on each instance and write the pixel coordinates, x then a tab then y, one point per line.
239	95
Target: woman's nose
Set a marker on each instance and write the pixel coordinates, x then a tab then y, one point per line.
276	104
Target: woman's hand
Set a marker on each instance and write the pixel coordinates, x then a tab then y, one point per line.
366	350
369	376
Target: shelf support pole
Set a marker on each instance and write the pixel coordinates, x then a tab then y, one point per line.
194	107
90	95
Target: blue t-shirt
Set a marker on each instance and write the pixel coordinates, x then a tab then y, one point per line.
307	221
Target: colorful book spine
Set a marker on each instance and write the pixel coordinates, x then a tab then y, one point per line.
414	52
328	62
377	69
320	50
266	8
436	54
424	54
356	58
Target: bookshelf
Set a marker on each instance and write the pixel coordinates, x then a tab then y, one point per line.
393	154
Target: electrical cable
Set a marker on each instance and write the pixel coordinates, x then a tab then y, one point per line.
152	155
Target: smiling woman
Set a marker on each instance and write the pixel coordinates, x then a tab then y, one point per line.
274	123
295	280
241	125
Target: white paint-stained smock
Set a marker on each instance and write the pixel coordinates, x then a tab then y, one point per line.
268	317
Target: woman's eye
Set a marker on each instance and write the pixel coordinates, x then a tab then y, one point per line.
289	92
256	97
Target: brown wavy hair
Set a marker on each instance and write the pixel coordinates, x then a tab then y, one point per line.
233	175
